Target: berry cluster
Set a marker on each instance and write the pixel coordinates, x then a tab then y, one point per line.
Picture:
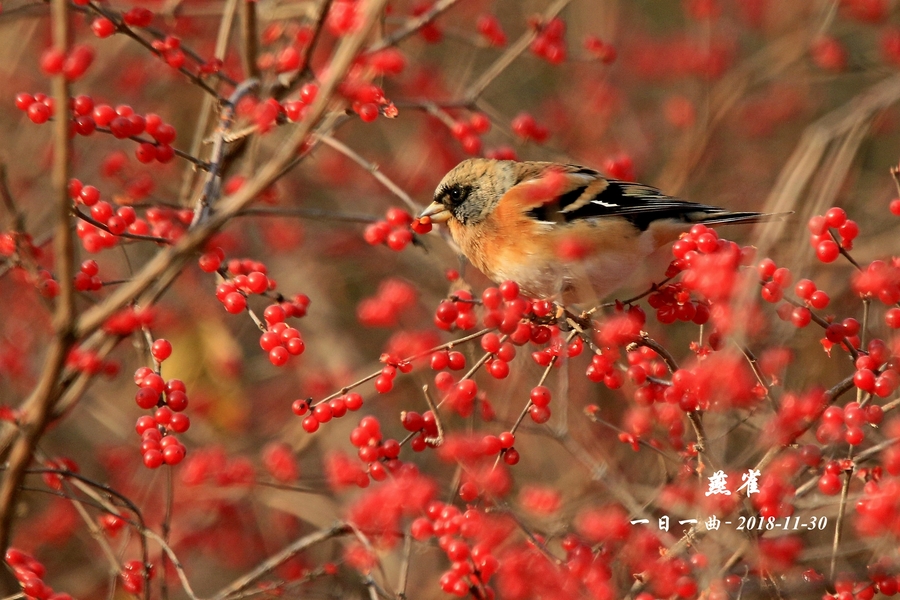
72	65
550	41
673	303
122	122
88	277
39	107
393	298
430	32
108	222
468	133
280	340
472	565
526	128
488	26
326	411
366	99
829	54
133	575
278	459
620	167
128	320
603	51
877	370
373	450
846	423
247	277
167	399
169	49
30	574
396	230
823	239
457	313
90	363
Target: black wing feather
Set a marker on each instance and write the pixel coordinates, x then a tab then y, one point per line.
640	204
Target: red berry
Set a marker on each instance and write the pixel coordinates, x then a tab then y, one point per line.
353	401
235	302
800	316
848	232
308	93
153	459
864	379
804	288
835	217
52	61
398	239
24	100
509	290
278	356
368	112
384	384
819	299
771	292
892	318
146	397
540	396
161	349
103	27
310	424
38	112
829	484
300	407
827	251
173	454
499	369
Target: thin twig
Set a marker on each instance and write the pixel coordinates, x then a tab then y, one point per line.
445	346
843	251
842	508
249	39
125	234
285	554
404	567
15	216
648	342
37	408
164	267
307	213
504	60
212	186
123	28
544	375
373	169
435	441
412	26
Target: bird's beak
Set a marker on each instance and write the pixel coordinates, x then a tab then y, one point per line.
437	211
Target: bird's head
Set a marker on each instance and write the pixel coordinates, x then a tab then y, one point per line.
469	192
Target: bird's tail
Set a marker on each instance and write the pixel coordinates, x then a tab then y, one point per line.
721	218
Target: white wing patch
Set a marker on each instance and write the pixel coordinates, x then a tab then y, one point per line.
606	204
591	191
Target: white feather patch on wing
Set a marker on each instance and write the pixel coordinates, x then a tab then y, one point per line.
597	186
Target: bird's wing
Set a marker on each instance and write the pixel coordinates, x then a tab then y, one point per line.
588	195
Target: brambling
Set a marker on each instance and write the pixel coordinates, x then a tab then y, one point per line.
562	232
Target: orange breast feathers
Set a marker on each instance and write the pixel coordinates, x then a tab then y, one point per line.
544	257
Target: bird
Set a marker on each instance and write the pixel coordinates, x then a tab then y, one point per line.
524	221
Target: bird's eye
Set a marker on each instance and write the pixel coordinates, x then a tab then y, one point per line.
455	194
